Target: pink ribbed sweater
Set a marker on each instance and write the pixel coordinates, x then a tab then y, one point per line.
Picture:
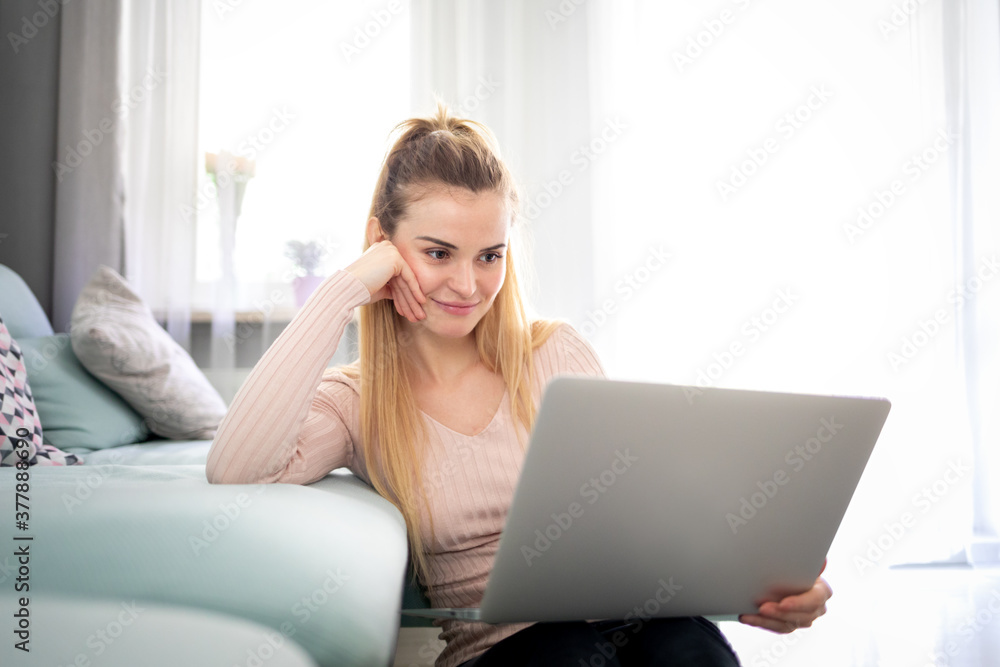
294	421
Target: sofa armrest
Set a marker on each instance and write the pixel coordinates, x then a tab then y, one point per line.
323	564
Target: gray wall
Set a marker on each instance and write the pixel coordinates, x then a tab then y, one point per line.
29	87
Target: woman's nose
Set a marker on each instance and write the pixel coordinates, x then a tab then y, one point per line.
463	280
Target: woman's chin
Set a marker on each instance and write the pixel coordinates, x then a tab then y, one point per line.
449	329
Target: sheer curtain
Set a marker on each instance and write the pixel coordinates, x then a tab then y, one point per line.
972	73
504	65
803	191
733	196
159	78
305	95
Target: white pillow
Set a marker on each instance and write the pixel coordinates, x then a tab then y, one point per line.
117	339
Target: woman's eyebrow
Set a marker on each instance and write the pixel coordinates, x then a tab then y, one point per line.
454	247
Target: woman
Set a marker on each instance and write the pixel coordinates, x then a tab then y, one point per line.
436	412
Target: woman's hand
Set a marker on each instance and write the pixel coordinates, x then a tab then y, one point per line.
387	276
793	612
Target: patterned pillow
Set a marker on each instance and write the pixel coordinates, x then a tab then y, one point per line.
20	428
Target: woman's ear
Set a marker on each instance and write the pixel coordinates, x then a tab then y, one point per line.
373	230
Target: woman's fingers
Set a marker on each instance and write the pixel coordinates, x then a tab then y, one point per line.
400	302
406	302
406	297
411	290
781	626
387	276
792	612
411	281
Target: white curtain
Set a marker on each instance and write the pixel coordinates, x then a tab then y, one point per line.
803	191
502	64
159	79
302	95
972	74
732	196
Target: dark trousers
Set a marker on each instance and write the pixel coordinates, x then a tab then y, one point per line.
677	642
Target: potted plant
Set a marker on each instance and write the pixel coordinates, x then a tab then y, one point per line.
307	257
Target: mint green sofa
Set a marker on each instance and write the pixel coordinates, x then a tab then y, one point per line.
318	567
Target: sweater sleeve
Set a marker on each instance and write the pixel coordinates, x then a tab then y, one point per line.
576	355
280	427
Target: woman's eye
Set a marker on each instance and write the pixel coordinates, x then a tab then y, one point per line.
489	257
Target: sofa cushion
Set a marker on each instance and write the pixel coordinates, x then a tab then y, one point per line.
116	337
20	308
75	407
20	426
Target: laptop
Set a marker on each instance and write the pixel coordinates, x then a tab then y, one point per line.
641	500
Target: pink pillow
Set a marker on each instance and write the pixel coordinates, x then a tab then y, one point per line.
20	428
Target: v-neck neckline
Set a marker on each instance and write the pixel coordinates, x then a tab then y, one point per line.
496	415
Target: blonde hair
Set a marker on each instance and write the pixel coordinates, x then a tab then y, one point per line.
440	150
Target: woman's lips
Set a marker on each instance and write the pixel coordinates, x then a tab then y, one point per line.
456	309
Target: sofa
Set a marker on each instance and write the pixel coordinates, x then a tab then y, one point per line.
133	553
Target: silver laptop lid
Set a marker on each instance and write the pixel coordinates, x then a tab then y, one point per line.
639	499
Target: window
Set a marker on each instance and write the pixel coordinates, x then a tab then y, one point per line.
308	91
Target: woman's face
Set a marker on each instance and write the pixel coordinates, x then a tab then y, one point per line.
456	243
